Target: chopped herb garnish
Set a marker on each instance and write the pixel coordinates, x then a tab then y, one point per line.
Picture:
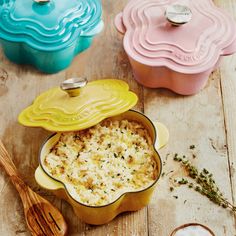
192	147
183	181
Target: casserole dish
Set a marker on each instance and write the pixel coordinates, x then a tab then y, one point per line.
175	44
112	100
48	33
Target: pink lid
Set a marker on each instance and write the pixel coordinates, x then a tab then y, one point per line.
152	37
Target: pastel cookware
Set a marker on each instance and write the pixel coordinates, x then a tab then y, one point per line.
48	34
175	44
82	106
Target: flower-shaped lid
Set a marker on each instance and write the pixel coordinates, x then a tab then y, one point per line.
187	36
48	24
77	105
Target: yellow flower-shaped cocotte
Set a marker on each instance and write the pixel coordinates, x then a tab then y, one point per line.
129	200
55	110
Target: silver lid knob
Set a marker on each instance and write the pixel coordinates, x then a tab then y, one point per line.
72	86
178	14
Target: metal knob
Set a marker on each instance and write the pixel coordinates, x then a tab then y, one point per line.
178	14
72	86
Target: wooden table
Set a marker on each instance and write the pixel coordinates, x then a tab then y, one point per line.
207	120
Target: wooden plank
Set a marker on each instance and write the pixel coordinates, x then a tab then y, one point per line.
228	90
228	84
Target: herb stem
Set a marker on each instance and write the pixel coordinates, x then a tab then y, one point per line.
203	183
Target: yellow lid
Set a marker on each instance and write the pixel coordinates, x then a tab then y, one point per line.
77	105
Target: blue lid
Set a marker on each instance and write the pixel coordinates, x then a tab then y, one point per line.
48	24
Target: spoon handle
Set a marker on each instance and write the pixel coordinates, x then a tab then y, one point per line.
10	168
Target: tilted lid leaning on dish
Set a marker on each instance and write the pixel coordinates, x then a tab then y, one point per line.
78	105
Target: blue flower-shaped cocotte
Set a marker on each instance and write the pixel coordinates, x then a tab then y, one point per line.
48	33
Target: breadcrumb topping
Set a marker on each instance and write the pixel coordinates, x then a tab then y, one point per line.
99	164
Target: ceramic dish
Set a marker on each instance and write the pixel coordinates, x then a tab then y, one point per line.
129	201
192	229
48	34
175	45
76	106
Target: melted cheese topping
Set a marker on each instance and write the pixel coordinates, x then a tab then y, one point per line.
99	164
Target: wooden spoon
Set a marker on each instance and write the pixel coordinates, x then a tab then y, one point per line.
42	218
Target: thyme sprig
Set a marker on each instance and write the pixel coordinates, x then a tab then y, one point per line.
204	183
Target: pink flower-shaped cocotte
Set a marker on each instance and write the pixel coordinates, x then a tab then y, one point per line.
179	58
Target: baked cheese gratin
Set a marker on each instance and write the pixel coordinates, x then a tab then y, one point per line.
99	164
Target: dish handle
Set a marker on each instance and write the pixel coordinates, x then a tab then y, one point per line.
119	23
162	135
45	181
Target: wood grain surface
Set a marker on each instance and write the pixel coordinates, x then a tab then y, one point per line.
206	120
